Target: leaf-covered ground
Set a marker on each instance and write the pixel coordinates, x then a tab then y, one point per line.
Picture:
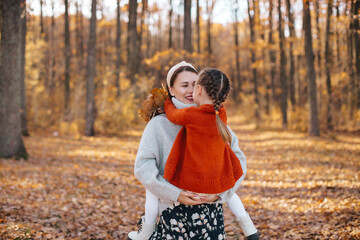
297	187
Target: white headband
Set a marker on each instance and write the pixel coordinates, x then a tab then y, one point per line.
176	67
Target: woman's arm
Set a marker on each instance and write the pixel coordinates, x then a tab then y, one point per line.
146	167
177	116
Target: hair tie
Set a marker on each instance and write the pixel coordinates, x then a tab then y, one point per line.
216	112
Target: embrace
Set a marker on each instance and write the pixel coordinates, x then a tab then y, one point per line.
190	162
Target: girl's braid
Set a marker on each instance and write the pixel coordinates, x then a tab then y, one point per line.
219	88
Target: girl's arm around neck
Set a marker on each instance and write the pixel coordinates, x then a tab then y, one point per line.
177	116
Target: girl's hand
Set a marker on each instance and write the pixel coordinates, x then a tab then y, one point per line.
188	198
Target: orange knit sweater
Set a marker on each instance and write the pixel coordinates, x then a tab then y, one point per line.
200	161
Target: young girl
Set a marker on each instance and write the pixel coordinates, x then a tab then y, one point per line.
201	160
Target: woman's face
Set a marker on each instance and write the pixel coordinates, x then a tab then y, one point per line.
183	87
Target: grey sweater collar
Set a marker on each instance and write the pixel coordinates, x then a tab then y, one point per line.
181	105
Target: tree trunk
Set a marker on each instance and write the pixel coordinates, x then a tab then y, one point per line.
253	56
79	34
209	10
318	36
237	81
337	33
118	49
198	25
187	26
11	143
283	81
328	59
170	25
1	21
178	24
91	66
67	63
142	21
23	112
356	27
311	75
51	82
41	18
291	53
133	45
351	59
272	52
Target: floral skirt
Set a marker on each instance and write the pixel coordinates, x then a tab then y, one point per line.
183	222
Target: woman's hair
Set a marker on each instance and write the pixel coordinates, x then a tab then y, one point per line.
217	86
176	73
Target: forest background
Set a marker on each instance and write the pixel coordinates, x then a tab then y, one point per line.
73	75
112	63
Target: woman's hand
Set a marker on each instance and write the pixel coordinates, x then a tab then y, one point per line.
210	199
189	198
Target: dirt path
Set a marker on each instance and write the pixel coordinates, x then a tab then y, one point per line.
296	187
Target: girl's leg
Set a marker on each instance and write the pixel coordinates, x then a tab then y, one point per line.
149	220
236	206
151	208
246	224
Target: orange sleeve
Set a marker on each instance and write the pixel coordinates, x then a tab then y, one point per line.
177	116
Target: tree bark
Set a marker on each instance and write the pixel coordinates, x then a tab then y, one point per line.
142	21
67	63
272	52
291	53
11	143
198	25
209	10
23	30
178	24
187	26
91	66
79	34
253	55
356	27
311	75
118	49
133	44
52	70
318	36
283	81
337	33
41	18
170	25
351	58
237	81
328	59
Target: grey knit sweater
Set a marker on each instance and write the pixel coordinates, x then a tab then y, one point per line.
155	145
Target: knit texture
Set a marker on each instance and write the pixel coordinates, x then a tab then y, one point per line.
155	145
200	161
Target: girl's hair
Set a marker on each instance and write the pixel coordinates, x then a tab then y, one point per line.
174	76
217	86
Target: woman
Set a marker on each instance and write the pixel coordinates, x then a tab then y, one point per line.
194	217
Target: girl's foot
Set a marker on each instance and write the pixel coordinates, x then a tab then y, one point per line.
248	227
145	231
255	236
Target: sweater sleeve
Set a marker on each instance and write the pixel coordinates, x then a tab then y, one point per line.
176	116
147	161
225	196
